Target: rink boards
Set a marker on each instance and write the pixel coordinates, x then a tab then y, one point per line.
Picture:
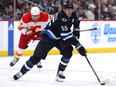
101	40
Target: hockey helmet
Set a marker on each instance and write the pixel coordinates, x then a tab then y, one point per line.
35	11
68	5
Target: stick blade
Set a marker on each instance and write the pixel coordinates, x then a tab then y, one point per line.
104	82
94	28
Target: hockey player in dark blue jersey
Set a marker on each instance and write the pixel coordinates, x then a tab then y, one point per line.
57	34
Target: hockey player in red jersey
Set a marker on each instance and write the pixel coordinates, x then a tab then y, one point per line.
30	26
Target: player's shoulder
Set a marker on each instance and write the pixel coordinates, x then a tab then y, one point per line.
60	14
43	16
62	17
74	14
26	17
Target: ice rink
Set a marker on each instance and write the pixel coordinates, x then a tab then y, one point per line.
78	73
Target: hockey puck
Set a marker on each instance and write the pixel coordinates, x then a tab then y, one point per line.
102	83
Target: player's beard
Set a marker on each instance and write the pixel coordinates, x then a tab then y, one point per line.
35	20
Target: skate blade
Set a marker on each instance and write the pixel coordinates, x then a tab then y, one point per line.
39	66
11	64
59	79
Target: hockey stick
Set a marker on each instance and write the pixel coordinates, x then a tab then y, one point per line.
88	29
101	83
93	28
36	5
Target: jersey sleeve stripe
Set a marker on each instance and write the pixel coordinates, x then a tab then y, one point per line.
66	34
68	37
50	34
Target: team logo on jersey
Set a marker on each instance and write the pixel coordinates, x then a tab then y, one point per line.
96	34
64	20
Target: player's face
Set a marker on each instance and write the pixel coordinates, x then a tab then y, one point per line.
35	18
68	12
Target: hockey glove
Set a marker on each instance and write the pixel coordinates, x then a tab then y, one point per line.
36	28
76	33
81	49
37	36
30	34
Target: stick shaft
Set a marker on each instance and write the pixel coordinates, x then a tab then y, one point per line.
93	69
88	29
99	25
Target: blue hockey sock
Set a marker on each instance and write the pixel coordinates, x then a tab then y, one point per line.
26	67
63	63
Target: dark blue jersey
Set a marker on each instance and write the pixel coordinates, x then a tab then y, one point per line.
60	26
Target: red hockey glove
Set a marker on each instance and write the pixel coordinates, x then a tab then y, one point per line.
36	28
30	34
37	36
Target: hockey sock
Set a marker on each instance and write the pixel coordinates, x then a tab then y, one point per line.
29	64
63	63
26	67
19	52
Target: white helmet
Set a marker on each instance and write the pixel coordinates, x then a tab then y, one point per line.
35	11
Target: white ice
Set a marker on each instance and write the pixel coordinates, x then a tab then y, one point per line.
78	73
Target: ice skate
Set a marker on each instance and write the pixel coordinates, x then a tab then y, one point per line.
14	61
60	76
39	65
18	75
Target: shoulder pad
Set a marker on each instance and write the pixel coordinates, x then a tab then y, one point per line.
27	17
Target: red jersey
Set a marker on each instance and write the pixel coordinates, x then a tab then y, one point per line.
27	23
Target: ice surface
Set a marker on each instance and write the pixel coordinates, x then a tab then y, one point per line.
78	73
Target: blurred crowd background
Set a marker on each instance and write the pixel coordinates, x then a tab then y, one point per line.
86	9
